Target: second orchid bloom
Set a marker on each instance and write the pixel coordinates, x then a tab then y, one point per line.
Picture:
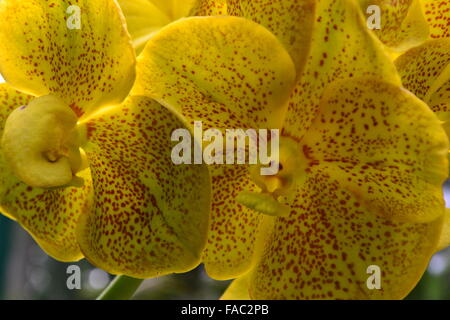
363	160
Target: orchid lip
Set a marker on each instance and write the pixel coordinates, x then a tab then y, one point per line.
41	143
291	167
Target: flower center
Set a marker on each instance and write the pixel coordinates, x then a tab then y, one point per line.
41	144
291	164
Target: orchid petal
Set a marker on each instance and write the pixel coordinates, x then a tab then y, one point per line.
209	8
145	17
386	146
234	229
365	199
425	71
328	246
403	24
44	52
437	13
342	47
238	289
242	81
150	216
291	21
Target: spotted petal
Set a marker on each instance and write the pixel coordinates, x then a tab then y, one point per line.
425	71
241	82
357	205
386	146
234	227
209	8
150	216
402	23
342	47
238	289
50	216
45	52
145	17
437	13
290	20
331	244
228	72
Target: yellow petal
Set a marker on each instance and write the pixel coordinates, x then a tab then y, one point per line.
386	147
234	229
49	215
342	47
87	67
424	70
437	13
238	289
439	100
290	20
403	24
444	240
174	9
326	247
228	72
145	17
209	8
150	216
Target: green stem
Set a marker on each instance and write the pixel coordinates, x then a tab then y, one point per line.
121	288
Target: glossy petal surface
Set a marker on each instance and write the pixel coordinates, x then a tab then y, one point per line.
291	21
386	146
150	216
402	23
238	289
437	13
209	8
425	71
145	17
88	67
323	249
243	81
342	47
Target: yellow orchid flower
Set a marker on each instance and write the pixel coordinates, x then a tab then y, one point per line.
362	160
83	172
